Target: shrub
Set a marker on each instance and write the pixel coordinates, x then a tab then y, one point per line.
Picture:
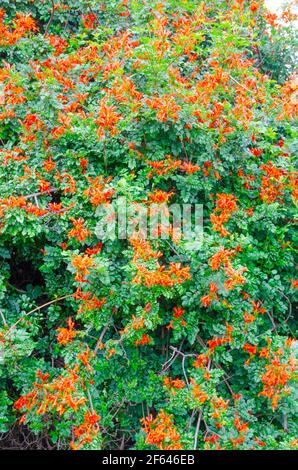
147	343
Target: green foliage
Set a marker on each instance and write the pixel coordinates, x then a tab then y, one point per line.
164	343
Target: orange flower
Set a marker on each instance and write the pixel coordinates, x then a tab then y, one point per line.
143	250
201	361
225	206
173	384
89	20
189	168
144	340
198	393
250	349
98	192
107	119
87	431
161	432
166	107
235	277
206	300
79	231
94	250
178	312
162	277
221	258
254	6
275	379
163	167
66	335
159	197
82	263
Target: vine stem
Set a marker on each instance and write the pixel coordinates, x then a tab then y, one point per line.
35	310
197	429
3	318
51	18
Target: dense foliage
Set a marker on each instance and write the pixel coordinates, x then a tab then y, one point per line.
147	343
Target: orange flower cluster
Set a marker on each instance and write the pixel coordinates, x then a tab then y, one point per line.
145	339
20	202
88	303
225	206
163	167
235	277
86	432
79	231
219	406
143	250
219	341
289	99
178	313
136	324
159	197
198	393
212	440
201	361
89	20
273	183
58	396
206	300
251	350
82	263
59	44
175	274
124	90
161	432
66	335
98	193
173	384
166	107
241	428
21	26
277	374
107	119
221	259
169	165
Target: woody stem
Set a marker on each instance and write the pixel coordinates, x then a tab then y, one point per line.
35	310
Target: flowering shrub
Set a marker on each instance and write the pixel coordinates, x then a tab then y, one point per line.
148	343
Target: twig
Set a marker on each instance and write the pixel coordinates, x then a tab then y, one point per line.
272	321
290	309
35	310
184	357
3	318
184	371
51	18
198	429
90	401
285	423
105	155
101	338
238	83
40	193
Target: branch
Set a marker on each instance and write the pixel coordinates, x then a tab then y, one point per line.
240	84
40	193
3	318
35	310
197	429
51	18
